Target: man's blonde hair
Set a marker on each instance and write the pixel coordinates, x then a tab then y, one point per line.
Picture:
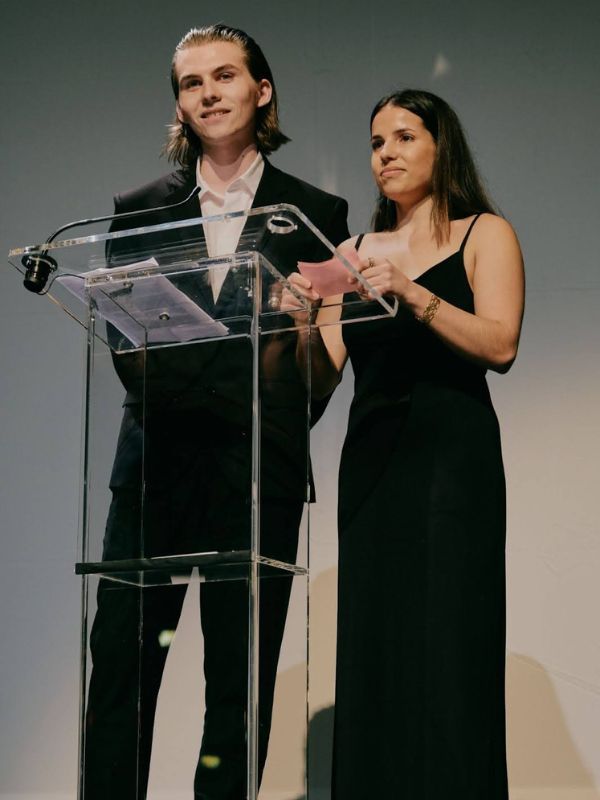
183	146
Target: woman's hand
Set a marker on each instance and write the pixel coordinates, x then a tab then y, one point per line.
291	304
383	276
325	368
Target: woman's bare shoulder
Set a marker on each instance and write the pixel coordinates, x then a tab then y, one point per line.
494	245
493	226
349	243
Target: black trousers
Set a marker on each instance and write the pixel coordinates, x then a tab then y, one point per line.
128	652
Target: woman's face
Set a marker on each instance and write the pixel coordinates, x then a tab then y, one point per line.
403	153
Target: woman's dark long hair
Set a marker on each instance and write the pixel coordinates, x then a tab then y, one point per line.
183	146
456	187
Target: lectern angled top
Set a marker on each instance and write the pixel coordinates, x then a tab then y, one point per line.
170	262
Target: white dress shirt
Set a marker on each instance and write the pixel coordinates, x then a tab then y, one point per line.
222	237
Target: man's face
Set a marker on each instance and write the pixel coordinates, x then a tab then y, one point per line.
218	97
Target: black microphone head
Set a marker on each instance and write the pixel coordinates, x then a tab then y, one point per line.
38	268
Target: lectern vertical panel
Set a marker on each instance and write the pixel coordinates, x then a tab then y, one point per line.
195	490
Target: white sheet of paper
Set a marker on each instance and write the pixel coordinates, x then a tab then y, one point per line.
150	303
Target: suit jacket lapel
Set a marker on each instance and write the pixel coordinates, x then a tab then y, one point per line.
182	183
270	190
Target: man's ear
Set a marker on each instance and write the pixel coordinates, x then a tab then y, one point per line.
265	93
179	113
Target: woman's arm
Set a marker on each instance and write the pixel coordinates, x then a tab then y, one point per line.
490	336
328	353
326	346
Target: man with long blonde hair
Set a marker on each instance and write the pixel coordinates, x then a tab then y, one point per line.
226	123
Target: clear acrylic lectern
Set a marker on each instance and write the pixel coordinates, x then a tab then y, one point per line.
195	470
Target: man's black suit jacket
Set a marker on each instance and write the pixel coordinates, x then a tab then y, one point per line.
207	386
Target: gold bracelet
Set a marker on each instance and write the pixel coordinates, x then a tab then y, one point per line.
430	310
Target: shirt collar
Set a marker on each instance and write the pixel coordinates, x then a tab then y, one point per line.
248	180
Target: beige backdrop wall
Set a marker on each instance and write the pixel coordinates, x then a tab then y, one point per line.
86	98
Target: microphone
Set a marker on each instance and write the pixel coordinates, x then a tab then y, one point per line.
38	266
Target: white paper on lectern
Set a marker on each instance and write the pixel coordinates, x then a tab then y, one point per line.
149	303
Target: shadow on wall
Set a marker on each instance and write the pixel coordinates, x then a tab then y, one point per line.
320	745
320	738
541	752
284	761
285	769
542	757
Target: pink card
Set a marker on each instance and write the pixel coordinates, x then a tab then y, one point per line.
331	276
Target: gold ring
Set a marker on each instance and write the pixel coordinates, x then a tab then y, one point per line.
371	261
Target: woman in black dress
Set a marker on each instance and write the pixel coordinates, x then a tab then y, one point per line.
421	615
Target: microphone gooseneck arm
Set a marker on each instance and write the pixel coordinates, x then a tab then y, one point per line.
39	265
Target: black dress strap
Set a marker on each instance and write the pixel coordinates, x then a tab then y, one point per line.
464	241
357	243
